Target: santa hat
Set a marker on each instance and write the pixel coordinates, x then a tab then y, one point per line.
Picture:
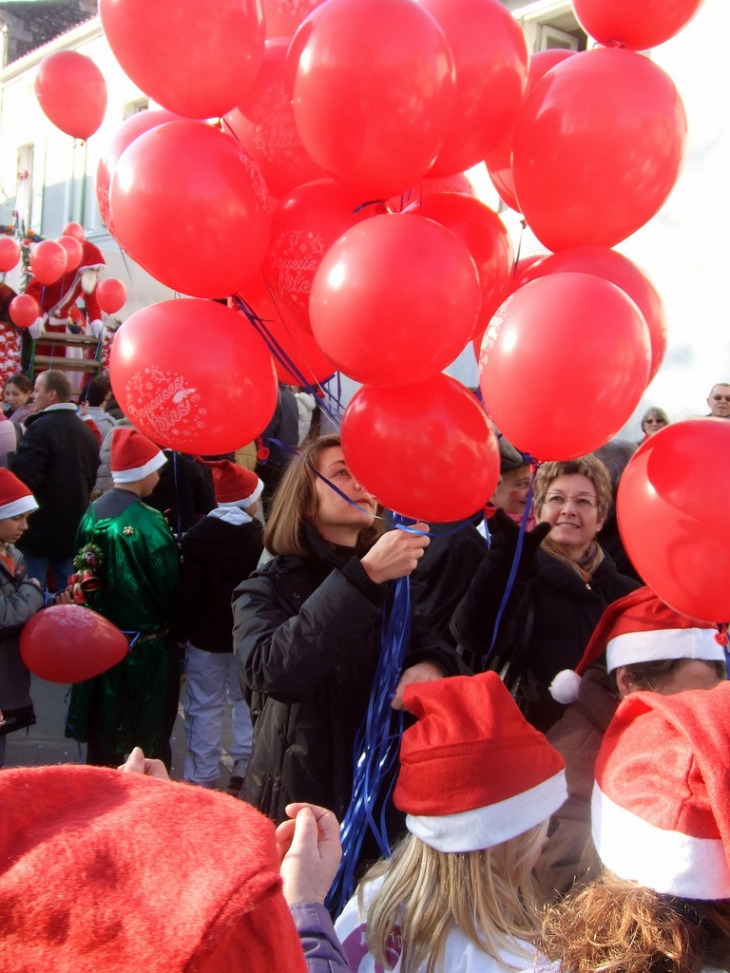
639	628
661	801
233	484
15	497
473	772
102	870
91	257
134	456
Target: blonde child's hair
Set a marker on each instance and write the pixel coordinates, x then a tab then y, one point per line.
490	895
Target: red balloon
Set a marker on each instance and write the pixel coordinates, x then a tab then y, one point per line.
372	92
386	327
458	183
127	132
111	295
192	377
499	160
9	253
426	451
674	521
304	226
48	261
75	230
69	643
74	251
282	17
638	26
72	92
486	239
490	58
598	146
519	275
264	124
189	59
23	310
200	190
563	365
623	273
298	359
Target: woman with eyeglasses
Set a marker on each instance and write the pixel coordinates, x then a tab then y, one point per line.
652	421
564	580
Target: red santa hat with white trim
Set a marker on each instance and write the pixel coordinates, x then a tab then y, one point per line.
234	485
661	801
473	772
15	497
640	628
134	456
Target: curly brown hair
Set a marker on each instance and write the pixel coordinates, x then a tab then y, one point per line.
589	466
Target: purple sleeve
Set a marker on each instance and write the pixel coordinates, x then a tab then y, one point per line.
322	949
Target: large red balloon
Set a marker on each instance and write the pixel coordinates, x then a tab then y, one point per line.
563	365
190	375
426	451
9	253
200	190
48	261
304	226
395	300
69	643
372	91
194	59
487	240
598	146
127	132
675	520
23	310
499	160
74	251
623	273
635	25
264	124
284	16
490	58
111	295
72	92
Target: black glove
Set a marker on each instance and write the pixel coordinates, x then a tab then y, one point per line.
505	532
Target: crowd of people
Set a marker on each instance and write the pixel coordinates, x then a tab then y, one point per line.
560	799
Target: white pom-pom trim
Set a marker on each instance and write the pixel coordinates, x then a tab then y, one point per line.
565	686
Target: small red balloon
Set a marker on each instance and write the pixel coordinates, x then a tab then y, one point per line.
638	26
74	251
674	523
70	643
425	451
9	253
111	295
72	92
75	230
24	310
48	261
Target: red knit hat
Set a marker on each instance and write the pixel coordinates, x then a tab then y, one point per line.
639	628
134	456
473	772
104	871
233	484
15	497
661	802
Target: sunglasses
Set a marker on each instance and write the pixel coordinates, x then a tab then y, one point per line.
721	398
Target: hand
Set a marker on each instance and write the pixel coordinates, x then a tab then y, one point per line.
396	554
36	582
137	763
309	852
421	672
506	533
63	597
83	408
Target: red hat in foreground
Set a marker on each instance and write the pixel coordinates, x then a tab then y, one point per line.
105	872
661	801
15	497
473	772
233	484
134	456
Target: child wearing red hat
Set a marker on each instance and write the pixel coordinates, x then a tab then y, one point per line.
478	785
126	570
218	553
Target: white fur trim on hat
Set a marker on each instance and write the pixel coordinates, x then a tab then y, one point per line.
22	505
139	472
663	643
670	862
485	827
565	687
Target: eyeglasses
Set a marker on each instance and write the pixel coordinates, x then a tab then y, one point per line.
721	398
584	501
654	422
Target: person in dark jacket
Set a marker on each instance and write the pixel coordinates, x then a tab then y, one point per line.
307	632
218	553
274	459
563	583
57	459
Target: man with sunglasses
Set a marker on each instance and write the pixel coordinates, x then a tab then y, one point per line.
719	400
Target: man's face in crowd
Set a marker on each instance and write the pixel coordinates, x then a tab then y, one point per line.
719	401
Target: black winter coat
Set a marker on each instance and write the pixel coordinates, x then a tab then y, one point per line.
57	460
549	618
307	636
